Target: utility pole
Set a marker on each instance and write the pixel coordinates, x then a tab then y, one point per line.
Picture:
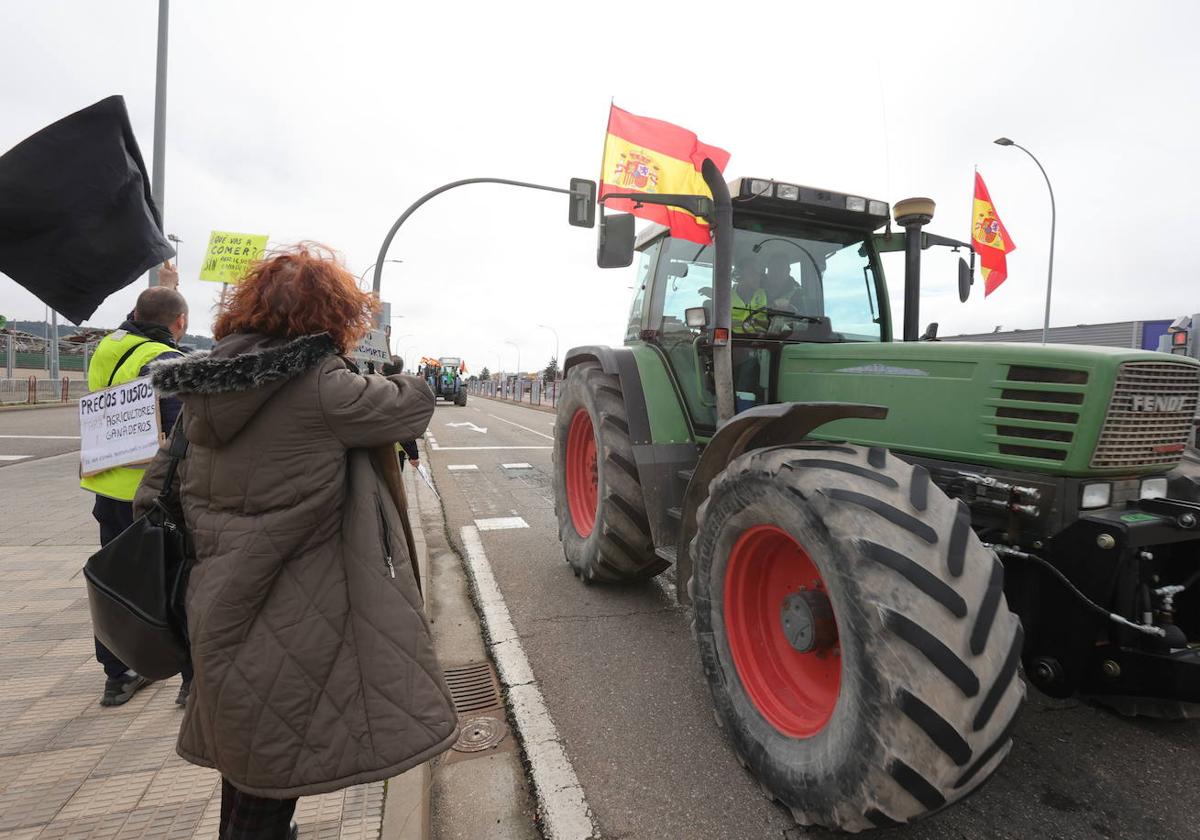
158	174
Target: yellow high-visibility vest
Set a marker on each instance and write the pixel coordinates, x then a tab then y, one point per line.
759	319
120	482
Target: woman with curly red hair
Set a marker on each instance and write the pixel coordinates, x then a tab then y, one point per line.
314	666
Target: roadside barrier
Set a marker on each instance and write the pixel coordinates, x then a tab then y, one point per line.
530	392
31	390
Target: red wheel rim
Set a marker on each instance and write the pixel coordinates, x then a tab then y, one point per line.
796	692
583	496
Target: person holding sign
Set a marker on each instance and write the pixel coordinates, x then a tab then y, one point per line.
314	666
159	319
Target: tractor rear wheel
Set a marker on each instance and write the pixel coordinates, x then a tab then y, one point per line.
460	399
854	634
597	496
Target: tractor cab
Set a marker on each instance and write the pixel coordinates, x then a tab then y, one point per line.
805	268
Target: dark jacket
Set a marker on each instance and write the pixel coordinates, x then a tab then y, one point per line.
169	406
314	666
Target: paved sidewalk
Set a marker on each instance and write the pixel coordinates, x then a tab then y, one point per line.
70	768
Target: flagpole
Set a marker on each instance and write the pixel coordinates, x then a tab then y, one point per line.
1004	141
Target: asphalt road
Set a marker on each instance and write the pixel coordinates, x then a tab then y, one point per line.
29	433
620	676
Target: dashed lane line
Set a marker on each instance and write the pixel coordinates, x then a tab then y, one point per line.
563	805
526	428
501	523
14	457
462	467
520	466
437	448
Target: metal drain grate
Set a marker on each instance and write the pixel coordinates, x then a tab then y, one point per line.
474	687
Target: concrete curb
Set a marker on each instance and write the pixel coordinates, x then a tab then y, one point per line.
407	802
35	406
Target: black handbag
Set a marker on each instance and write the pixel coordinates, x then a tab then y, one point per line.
136	583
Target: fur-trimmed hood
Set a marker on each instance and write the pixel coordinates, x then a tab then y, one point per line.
224	388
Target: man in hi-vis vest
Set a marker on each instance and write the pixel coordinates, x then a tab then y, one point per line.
159	320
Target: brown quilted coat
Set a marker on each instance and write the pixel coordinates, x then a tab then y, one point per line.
314	667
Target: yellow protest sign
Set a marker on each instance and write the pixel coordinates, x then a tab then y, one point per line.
229	255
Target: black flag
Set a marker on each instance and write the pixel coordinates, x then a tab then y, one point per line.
77	222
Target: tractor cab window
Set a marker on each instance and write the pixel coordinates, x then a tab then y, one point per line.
684	281
641	283
803	285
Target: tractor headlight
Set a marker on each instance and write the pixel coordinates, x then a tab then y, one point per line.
789	192
1095	495
878	208
1154	488
858	205
759	188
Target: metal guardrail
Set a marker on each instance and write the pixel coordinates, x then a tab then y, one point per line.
525	391
30	390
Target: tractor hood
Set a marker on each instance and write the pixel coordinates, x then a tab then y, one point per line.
1055	408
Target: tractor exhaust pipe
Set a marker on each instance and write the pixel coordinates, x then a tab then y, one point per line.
912	214
722	288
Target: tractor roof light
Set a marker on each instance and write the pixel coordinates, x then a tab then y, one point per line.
776	198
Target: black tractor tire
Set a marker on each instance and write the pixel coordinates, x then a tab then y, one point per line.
460	399
927	693
602	520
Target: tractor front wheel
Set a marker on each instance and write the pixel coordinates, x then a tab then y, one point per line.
854	634
597	496
460	399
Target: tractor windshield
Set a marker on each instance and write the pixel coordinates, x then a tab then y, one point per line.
792	284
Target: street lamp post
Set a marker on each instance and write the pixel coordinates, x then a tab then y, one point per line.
557	361
1004	141
159	165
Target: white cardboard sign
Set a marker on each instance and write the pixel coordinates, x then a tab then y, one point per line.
373	348
118	426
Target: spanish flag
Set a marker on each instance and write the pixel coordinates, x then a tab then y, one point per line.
652	156
992	241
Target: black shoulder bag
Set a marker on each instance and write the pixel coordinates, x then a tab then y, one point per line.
136	583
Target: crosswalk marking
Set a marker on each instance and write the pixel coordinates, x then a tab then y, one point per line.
521	466
461	467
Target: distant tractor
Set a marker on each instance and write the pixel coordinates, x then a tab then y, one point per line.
445	378
876	535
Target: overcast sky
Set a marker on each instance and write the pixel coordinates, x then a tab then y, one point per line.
324	120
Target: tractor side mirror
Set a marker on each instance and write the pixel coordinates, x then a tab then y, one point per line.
616	241
966	277
931	332
582	211
696	317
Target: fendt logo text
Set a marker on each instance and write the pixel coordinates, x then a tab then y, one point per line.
1156	403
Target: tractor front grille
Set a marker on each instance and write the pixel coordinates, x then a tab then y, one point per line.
1150	416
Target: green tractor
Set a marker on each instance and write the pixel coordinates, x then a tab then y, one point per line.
445	378
876	535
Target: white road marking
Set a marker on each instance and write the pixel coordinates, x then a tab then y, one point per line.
501	523
564	807
461	467
526	428
13	457
437	448
40	437
520	466
469	425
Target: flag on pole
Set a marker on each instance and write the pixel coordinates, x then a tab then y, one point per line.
77	221
651	156
991	238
